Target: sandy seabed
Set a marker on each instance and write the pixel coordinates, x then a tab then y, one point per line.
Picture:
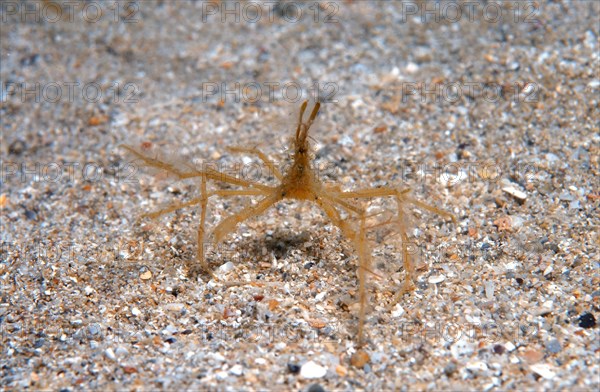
486	110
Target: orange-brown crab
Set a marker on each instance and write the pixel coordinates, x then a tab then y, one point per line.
299	182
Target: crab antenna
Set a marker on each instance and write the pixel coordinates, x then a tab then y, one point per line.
302	109
313	114
302	130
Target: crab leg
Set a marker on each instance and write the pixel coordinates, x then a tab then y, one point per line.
228	224
364	258
193	173
198	200
200	246
262	156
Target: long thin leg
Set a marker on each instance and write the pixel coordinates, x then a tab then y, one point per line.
370	193
200	249
364	258
335	218
173	207
406	258
401	199
262	156
156	163
333	197
430	208
228	224
193	173
383	192
222	177
237	192
198	200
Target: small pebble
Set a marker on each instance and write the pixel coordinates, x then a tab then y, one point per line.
236	370
341	370
315	388
477	366
110	354
312	370
218	357
517	222
317	324
516	193
449	369
499	349
553	346
462	348
129	369
359	359
222	375
412	67
94	330
121	352
544	370
532	356
293	368
17	147
398	311
30	215
489	289
169	330
175	307
587	320
376	357
436	279
227	267
510	346
566	196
